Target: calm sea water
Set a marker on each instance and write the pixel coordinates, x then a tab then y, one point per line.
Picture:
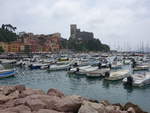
98	88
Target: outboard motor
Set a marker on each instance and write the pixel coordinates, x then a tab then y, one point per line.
129	80
48	66
20	65
107	74
133	63
30	66
99	65
69	68
109	65
77	70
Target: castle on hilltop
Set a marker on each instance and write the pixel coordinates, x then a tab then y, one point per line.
77	34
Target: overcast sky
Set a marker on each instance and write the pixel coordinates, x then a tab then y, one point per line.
123	23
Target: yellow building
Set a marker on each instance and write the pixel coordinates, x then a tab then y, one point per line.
4	46
12	47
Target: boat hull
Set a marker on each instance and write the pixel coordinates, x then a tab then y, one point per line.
7	73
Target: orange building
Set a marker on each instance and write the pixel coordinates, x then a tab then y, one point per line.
15	47
12	47
34	43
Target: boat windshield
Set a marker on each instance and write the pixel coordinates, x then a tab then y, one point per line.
1	67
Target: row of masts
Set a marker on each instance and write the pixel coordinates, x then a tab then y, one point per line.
142	47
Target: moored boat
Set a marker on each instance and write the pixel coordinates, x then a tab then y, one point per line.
79	69
117	75
58	67
7	73
141	67
97	73
38	66
137	79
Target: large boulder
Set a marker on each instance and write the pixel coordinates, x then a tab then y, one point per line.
17	109
30	91
20	88
90	107
10	92
69	104
6	90
13	95
55	92
36	102
136	108
105	103
131	110
47	111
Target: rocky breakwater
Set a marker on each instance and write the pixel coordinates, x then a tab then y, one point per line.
19	99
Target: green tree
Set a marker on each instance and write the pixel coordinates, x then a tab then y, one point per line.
7	33
87	45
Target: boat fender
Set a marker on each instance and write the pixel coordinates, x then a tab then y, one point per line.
107	74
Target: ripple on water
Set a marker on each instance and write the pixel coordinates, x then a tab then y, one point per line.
72	84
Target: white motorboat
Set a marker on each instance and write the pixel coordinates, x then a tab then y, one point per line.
141	67
86	70
6	61
98	72
79	69
38	66
117	75
138	79
58	67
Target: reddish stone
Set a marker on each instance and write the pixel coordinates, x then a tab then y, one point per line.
55	92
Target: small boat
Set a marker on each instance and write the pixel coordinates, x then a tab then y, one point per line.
6	61
7	73
117	75
141	67
38	66
78	69
137	80
86	70
98	73
63	59
58	67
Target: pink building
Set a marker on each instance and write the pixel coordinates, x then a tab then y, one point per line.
42	43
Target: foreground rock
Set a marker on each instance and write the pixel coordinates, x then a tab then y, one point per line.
19	99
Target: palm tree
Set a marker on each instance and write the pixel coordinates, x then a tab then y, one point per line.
8	27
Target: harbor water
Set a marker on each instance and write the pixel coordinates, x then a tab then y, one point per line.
96	88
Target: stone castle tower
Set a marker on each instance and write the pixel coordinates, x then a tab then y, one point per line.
73	31
77	34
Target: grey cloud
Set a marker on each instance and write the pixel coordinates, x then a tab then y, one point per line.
112	21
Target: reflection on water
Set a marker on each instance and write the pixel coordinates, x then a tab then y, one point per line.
96	88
